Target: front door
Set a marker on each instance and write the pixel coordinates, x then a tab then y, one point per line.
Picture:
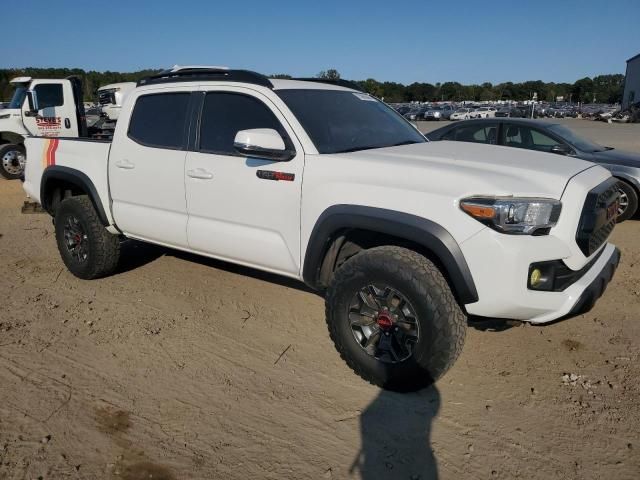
56	114
238	211
146	168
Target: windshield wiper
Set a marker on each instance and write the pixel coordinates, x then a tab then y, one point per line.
356	149
371	147
406	142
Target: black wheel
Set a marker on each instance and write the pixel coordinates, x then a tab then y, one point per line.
628	201
87	249
394	319
12	161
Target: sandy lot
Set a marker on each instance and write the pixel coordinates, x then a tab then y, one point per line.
185	368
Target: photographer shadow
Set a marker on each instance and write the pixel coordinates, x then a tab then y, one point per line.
396	436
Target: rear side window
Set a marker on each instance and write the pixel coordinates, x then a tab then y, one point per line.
159	120
225	114
49	95
477	133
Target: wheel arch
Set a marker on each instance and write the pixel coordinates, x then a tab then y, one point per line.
11	137
340	226
623	176
56	180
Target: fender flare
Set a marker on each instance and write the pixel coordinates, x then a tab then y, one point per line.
409	227
76	177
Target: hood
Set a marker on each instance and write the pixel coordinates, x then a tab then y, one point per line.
618	157
464	169
10	111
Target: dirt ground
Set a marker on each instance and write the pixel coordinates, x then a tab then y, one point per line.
180	367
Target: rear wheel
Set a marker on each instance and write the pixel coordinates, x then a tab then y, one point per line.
628	201
12	161
87	249
394	319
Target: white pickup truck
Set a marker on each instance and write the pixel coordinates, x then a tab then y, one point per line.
326	184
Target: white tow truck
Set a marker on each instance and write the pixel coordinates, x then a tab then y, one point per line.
51	108
327	185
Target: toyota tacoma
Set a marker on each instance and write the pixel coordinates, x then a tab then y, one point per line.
326	184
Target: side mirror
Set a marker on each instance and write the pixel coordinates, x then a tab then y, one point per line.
262	143
32	101
561	149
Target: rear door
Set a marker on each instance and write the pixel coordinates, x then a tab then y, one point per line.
238	211
146	167
56	114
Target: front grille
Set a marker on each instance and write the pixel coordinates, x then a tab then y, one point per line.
598	216
106	97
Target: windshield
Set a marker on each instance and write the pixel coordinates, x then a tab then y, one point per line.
342	121
578	142
18	97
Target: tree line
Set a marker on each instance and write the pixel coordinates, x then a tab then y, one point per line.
601	88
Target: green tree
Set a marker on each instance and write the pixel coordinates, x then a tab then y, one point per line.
331	74
582	90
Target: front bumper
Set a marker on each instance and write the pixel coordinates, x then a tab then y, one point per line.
500	269
597	287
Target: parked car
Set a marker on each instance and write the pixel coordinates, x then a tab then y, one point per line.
403	252
483	112
416	114
439	112
510	112
461	114
546	136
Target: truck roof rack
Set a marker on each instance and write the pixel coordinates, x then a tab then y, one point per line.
194	74
331	81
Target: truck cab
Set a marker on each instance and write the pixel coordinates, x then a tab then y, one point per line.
39	107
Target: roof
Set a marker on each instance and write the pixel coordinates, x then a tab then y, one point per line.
522	121
204	74
119	85
282	84
634	58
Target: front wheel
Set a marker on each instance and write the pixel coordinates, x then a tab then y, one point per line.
12	161
87	249
628	201
394	319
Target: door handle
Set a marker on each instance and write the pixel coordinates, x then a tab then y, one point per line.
200	173
67	123
125	164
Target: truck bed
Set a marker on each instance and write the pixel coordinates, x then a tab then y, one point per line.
53	156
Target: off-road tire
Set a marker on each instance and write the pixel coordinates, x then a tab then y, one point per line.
102	248
4	149
632	198
441	320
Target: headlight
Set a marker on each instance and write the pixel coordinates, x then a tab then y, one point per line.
515	216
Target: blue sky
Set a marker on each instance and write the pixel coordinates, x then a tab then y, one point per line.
404	41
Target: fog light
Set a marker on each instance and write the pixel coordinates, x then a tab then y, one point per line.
535	278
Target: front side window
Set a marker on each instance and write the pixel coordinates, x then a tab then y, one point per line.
225	114
49	95
542	142
339	121
159	120
525	137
